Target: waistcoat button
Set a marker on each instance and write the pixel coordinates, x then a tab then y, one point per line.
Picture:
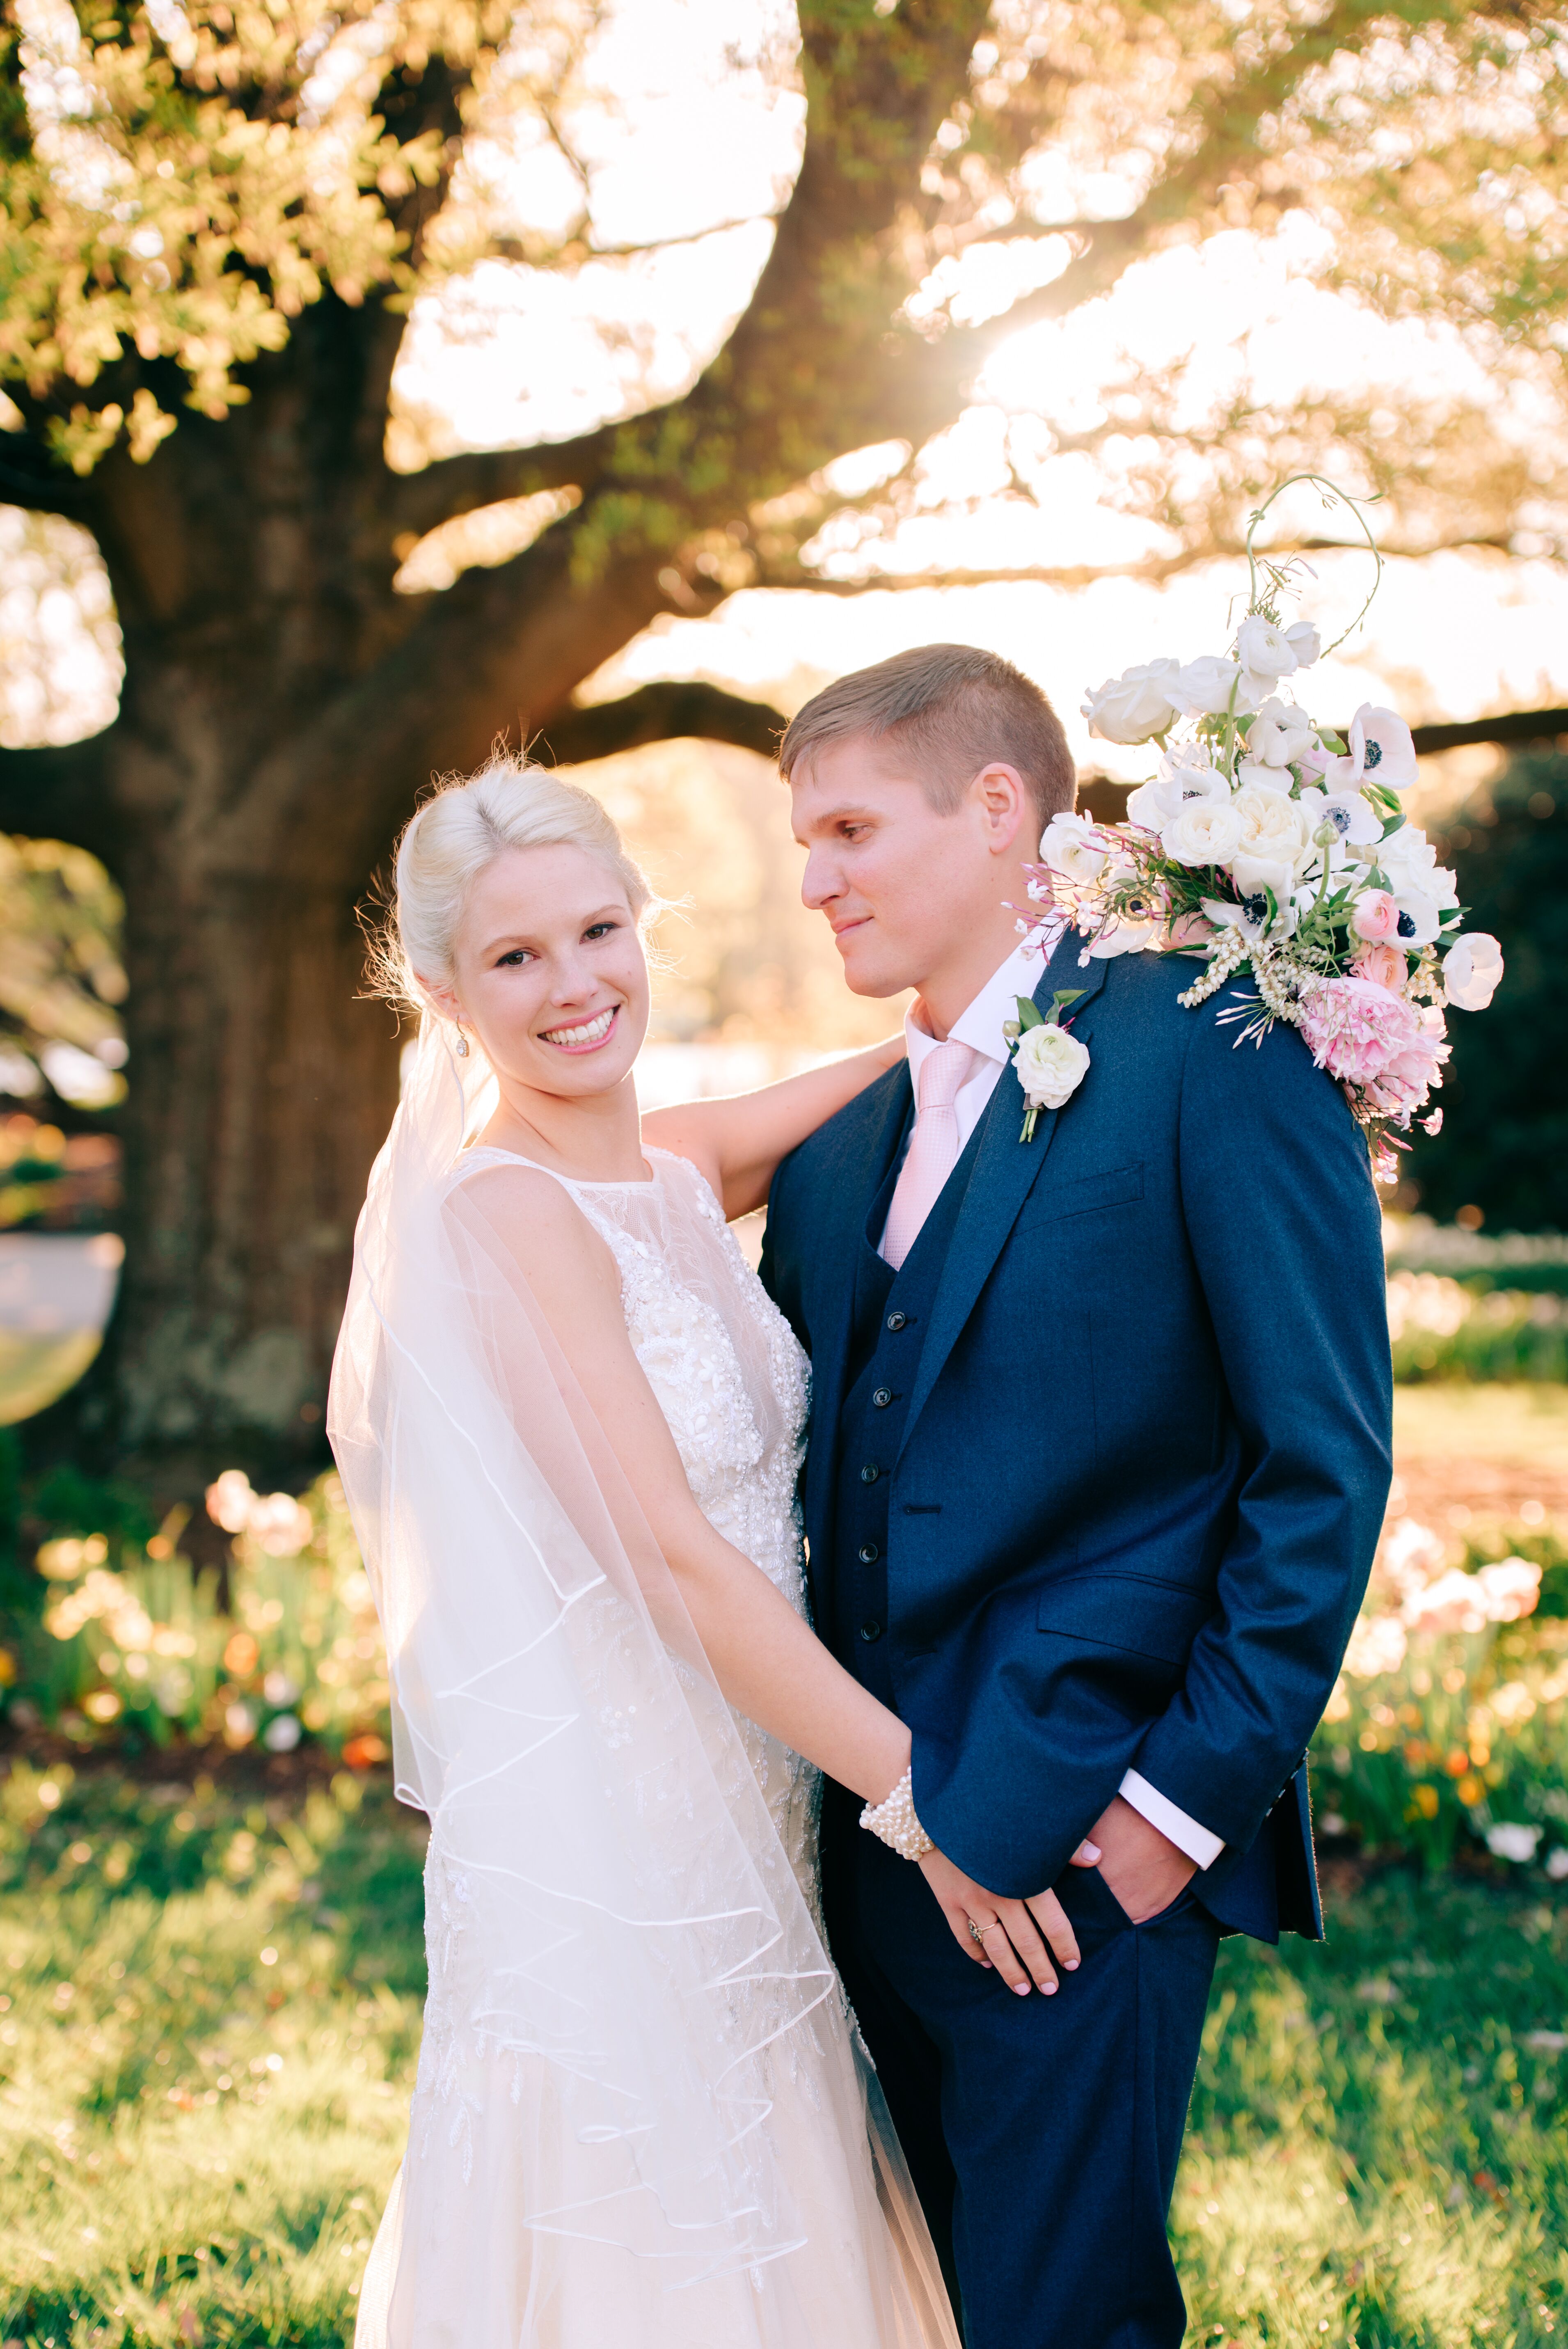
882	1397
870	1475
872	1631
869	1553
896	1320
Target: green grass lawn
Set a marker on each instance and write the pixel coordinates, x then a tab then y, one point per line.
211	2000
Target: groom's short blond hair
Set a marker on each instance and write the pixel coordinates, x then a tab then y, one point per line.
947	711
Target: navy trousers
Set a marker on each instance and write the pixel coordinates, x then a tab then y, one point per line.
1043	2134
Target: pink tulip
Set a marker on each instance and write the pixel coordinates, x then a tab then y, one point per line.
1375	917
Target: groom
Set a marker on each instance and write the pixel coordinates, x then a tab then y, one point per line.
1099	1456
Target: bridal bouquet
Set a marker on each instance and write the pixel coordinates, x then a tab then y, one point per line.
1267	844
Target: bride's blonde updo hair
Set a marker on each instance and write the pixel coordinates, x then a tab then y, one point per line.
463	827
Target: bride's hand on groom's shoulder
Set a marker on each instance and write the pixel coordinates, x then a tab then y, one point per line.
1018	1938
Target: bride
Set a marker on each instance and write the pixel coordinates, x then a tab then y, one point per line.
569	1421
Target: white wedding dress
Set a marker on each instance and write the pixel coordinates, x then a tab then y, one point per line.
642	2116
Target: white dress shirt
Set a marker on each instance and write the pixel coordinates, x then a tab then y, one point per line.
980	1027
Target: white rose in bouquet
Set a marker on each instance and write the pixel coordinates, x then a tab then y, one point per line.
1051	1065
1266	653
1471	971
1070	845
1135	706
1207	684
1410	861
1202	832
1305	642
1273	826
1280	734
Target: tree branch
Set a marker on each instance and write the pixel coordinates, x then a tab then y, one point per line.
456	485
660	713
1514	727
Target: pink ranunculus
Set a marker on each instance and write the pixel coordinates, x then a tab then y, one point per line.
1385	966
1375	917
1356	1029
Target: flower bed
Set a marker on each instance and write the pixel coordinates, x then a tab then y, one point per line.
133	1644
1449	1725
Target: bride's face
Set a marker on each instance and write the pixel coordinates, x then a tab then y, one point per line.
549	971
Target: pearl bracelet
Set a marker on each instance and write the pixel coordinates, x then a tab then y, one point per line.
893	1820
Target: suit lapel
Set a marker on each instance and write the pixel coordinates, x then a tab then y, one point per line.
870	1137
1005	1172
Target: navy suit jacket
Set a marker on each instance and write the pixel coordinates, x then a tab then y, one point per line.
1146	1456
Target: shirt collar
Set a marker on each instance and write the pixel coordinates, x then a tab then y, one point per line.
980	1024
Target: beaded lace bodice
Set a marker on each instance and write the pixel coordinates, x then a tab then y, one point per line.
733	1384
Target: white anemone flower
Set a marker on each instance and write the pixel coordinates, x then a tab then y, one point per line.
1153	804
1255	875
1122	935
1354	818
1252	917
1381	749
1420	918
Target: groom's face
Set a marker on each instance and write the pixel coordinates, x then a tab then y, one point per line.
902	885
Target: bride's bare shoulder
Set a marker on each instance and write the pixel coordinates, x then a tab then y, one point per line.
534	1216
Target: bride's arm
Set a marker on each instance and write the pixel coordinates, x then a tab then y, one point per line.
767	1661
737	1142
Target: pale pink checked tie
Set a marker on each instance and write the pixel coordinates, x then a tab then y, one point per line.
933	1152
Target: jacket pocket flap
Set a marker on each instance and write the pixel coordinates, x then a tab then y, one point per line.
1119	1186
1126	1612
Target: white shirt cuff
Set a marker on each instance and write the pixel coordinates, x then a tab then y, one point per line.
1173	1824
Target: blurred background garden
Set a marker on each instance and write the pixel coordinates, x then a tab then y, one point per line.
608	375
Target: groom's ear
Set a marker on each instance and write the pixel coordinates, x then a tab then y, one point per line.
1005	806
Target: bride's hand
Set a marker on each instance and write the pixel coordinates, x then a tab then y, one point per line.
1012	1936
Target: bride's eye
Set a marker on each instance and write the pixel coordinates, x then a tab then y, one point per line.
515	959
601	929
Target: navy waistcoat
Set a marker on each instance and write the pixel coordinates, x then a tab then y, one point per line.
890	1317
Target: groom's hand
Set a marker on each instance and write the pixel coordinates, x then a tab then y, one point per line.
1142	1869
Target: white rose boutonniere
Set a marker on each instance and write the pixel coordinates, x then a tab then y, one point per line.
1050	1064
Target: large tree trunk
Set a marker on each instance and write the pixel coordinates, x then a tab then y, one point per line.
263	1083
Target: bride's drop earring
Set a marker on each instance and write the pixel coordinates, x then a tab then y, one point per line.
462	1042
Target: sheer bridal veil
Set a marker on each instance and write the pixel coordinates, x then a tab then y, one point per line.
638	2106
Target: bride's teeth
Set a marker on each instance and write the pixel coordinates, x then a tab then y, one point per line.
589	1033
